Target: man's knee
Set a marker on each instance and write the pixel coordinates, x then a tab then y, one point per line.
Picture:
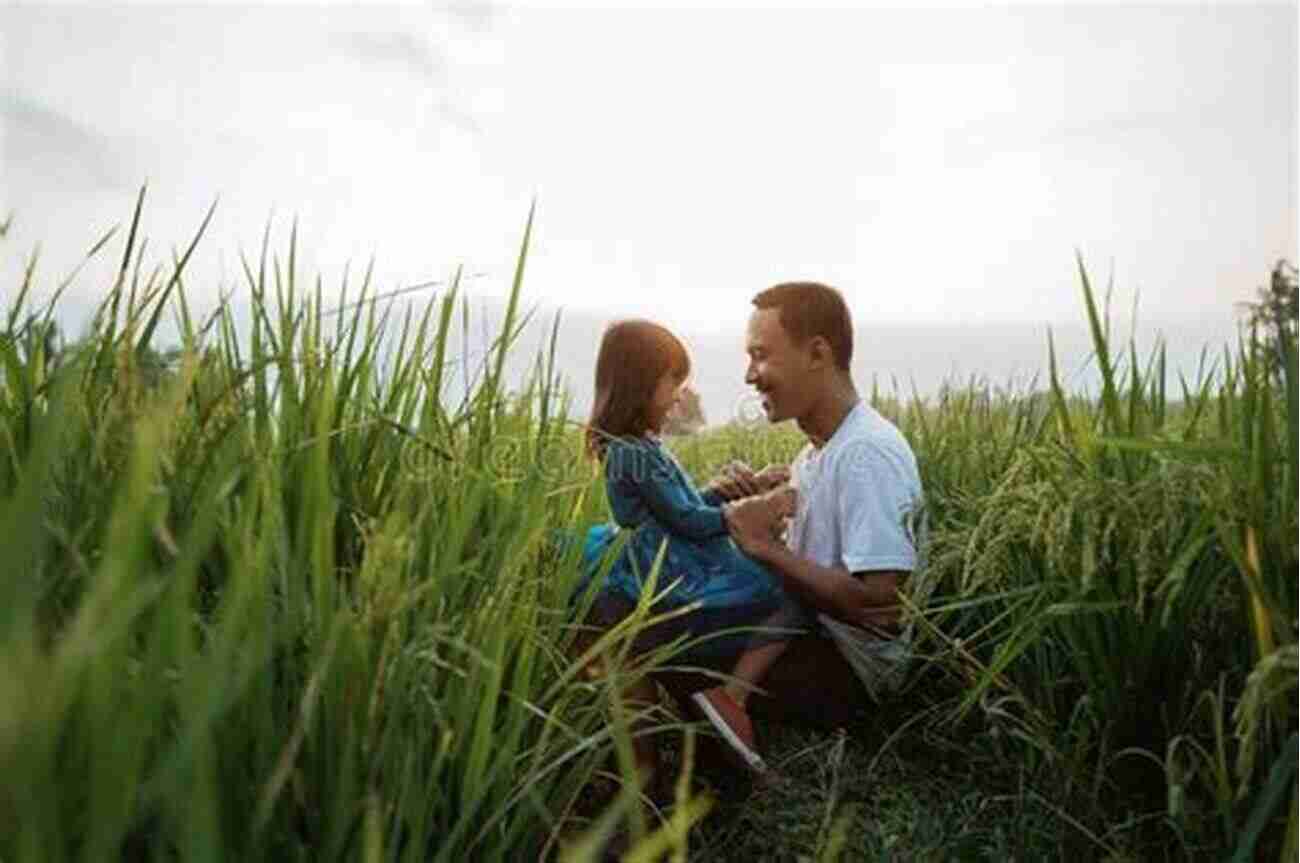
812	683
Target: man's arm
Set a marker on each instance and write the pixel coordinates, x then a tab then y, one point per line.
866	599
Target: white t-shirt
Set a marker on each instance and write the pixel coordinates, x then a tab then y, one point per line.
858	495
859	508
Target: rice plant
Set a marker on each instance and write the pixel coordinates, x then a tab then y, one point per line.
1098	586
286	599
291	590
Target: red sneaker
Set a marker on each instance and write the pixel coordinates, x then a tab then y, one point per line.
732	722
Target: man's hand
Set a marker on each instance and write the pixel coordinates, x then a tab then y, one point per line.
737	480
784	501
755	522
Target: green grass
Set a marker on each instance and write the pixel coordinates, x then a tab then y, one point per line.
279	594
1098	603
280	602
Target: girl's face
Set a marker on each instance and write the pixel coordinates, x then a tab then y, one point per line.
666	395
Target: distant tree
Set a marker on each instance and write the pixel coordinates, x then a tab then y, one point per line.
34	341
150	367
688	416
157	367
1275	312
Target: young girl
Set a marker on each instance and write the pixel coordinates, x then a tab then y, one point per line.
640	372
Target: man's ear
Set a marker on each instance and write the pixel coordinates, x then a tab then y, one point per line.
819	352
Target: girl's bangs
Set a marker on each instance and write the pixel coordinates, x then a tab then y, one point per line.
679	361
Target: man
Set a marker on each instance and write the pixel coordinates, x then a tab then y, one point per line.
852	541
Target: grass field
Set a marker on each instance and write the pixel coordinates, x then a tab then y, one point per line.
273	596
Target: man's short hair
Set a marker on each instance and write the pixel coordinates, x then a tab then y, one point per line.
810	309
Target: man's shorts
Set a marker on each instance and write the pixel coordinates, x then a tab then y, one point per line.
879	662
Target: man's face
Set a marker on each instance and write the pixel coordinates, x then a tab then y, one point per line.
778	368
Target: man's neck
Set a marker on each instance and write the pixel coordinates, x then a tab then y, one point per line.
821	421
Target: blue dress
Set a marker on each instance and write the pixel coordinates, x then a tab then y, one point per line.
654	501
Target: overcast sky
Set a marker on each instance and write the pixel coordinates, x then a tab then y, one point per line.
939	166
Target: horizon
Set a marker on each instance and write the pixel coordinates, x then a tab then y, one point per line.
902	357
1002	355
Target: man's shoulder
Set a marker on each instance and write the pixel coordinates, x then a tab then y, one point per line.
873	434
872	423
874	444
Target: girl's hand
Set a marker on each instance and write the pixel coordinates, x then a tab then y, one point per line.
737	480
772	476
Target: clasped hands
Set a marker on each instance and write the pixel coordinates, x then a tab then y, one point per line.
758	504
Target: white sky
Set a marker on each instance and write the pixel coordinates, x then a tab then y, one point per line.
937	165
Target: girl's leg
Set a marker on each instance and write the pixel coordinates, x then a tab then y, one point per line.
725	706
788	621
750	669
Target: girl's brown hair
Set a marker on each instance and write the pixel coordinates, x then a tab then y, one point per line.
634	356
